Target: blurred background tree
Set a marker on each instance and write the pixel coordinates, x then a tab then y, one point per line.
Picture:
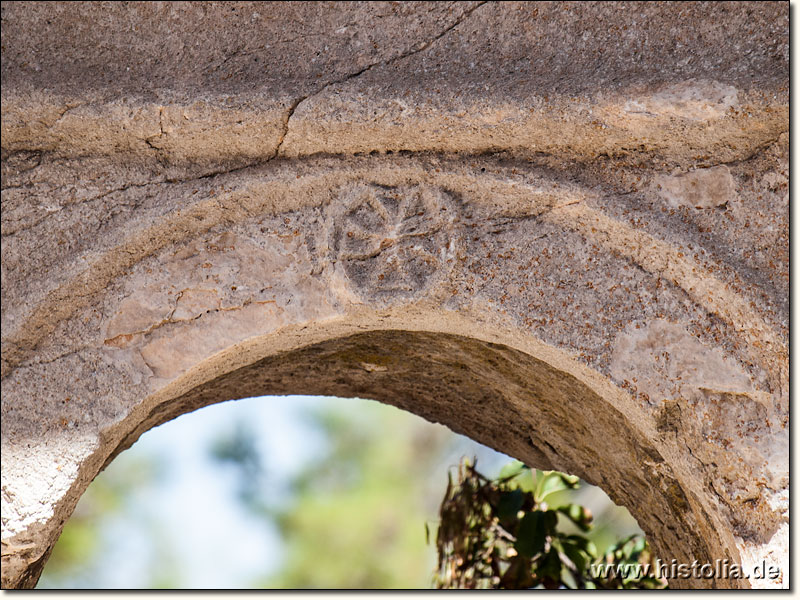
327	493
85	554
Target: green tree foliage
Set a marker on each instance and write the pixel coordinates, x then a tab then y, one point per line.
505	533
239	449
79	557
356	515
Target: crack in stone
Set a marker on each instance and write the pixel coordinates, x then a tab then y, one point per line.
65	111
35	363
46	216
160	133
10	359
126	336
420	47
161	155
755	152
167	180
170	321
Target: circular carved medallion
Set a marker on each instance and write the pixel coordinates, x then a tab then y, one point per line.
394	242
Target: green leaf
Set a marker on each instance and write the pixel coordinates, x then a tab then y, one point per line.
511	470
639	546
553	481
577	555
510	504
525	481
583	543
533	531
550	569
581	516
531	534
518	575
619	546
568	579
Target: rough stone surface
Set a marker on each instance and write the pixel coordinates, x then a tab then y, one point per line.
559	228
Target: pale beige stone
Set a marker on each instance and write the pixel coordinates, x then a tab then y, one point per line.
192	303
704	188
696	100
137	315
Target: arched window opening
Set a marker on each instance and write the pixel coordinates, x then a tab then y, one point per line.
283	492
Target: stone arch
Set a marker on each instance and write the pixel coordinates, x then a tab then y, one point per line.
506	397
594	280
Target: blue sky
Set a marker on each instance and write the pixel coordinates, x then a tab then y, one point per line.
234	545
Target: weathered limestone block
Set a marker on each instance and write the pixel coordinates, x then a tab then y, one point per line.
559	228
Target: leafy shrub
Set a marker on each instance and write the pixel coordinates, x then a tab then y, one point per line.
502	534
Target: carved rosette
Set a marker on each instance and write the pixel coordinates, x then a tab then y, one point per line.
393	242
